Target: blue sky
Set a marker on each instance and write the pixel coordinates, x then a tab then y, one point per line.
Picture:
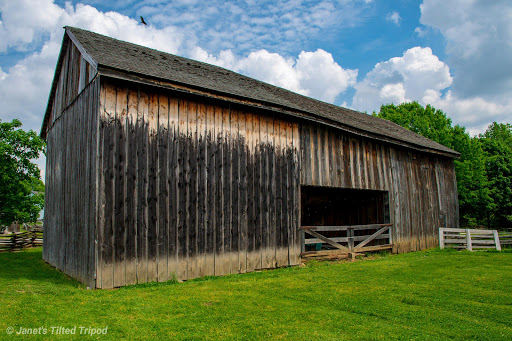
453	54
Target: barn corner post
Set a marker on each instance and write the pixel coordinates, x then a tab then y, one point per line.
179	169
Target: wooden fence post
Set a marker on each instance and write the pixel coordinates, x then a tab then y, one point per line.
302	241
469	245
350	235
441	238
497	240
13	241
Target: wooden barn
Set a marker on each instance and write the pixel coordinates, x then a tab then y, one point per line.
161	167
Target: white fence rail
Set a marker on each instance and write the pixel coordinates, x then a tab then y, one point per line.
470	239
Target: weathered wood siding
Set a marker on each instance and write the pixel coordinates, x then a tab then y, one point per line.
189	188
75	74
422	187
70	196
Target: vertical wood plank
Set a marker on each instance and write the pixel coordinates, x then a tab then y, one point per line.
272	132
332	158
172	258
305	155
296	143
219	207
119	166
108	171
152	187
162	188
192	204
308	157
258	238
362	169
100	193
243	149
315	148
142	187
82	74
131	187
395	194
377	157
370	162
201	190
282	251
210	191
269	250
90	212
406	204
352	162
251	264
323	157
234	190
338	152
226	193
182	189
290	194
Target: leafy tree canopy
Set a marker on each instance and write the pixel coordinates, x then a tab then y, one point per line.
21	189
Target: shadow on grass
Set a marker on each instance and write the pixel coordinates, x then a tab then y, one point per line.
29	265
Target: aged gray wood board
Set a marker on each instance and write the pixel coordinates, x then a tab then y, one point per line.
207	141
69	233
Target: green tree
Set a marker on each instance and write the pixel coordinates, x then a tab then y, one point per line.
21	188
472	181
497	146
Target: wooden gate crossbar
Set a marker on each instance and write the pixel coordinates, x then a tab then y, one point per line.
327	240
350	248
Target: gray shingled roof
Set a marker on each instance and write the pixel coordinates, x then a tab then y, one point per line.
146	62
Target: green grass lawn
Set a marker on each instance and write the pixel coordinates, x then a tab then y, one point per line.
433	295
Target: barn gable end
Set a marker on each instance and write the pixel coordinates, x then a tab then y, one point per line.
72	118
161	167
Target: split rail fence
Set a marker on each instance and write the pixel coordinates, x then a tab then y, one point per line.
19	240
336	242
505	238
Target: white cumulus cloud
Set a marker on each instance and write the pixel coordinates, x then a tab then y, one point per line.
478	46
478	43
322	77
408	78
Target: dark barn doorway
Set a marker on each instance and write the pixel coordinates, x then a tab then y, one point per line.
326	206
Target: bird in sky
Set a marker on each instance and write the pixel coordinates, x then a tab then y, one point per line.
142	21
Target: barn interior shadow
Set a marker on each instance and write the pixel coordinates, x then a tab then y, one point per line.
29	265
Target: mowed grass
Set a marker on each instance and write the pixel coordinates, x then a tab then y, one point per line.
432	295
